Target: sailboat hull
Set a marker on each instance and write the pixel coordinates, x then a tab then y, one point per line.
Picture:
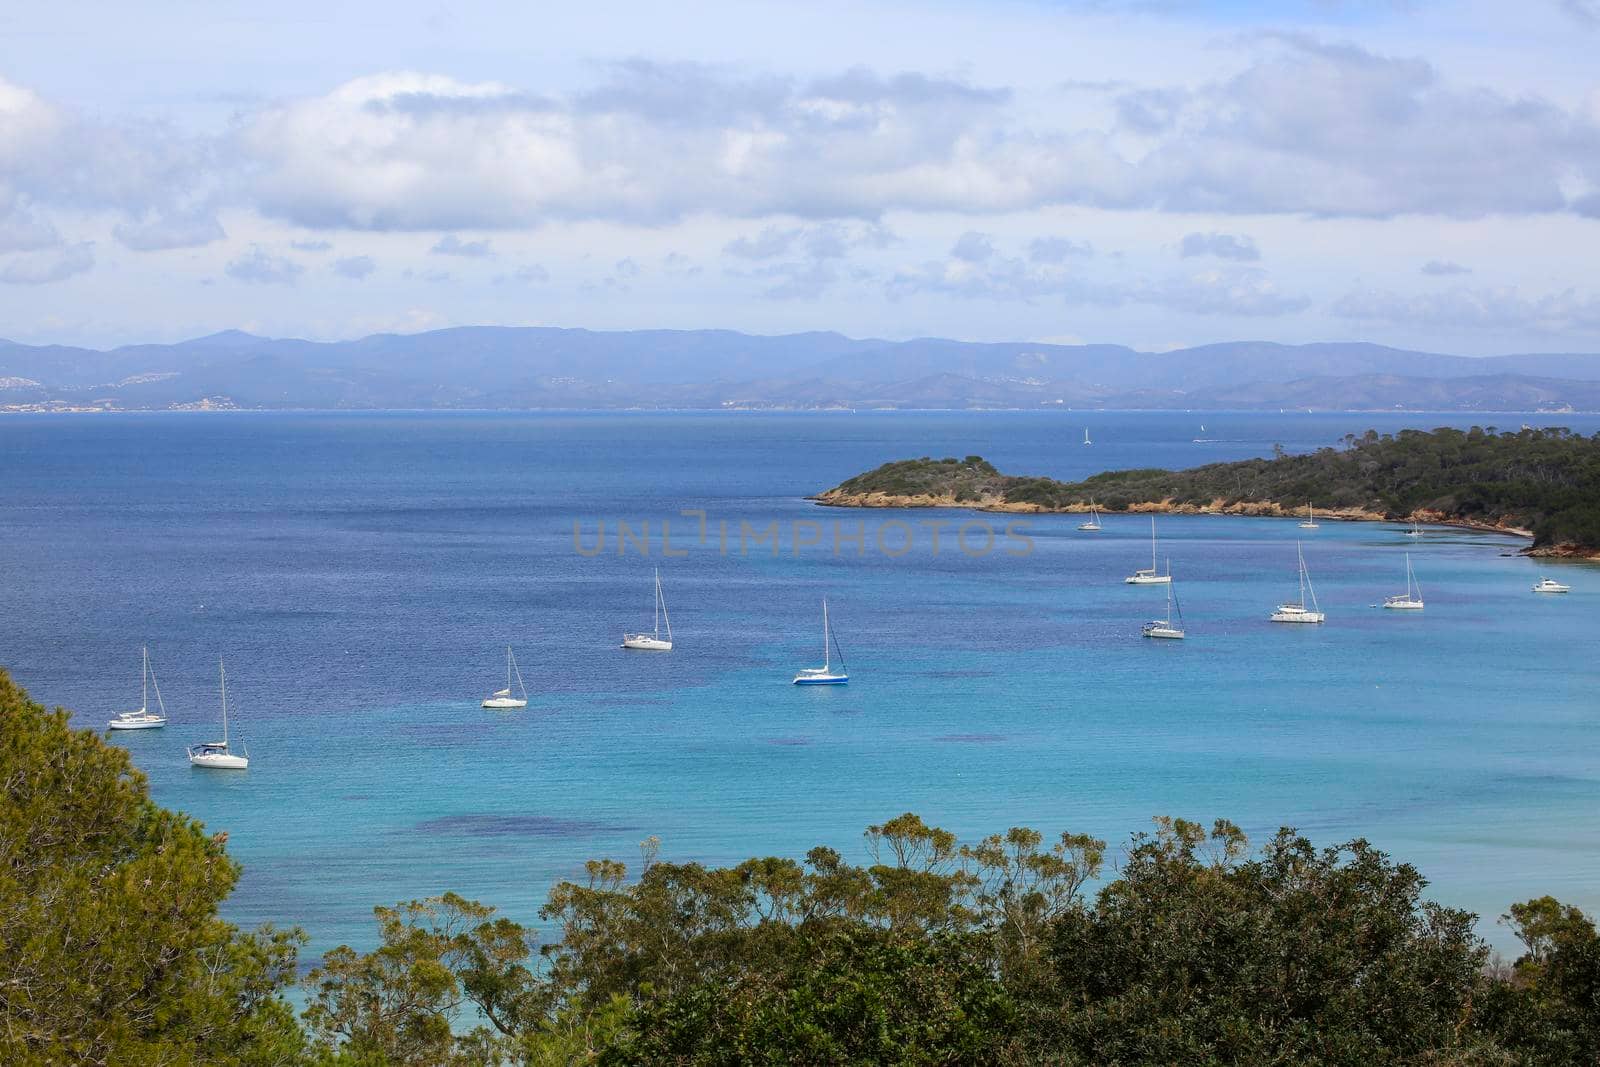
1288	614
1163	631
501	703
646	643
1148	579
136	724
1402	604
217	761
821	679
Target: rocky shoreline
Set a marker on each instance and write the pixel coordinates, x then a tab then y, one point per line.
834	498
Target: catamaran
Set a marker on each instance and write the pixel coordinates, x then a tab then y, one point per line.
144	718
1297	611
1311	519
502	698
1411	599
1166	627
215	755
1148	575
825	674
1093	523
653	641
1550	585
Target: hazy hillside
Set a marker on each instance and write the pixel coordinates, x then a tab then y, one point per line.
545	367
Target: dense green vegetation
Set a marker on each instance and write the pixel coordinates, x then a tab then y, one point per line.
1544	480
1009	950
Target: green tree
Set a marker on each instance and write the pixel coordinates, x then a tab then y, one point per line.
851	994
1199	953
110	946
1548	1008
439	963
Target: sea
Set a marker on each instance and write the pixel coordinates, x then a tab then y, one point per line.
361	576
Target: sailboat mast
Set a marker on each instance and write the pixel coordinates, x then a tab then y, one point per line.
825	660
658	602
661	598
223	675
144	679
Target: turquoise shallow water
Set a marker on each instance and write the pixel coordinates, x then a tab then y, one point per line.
362	574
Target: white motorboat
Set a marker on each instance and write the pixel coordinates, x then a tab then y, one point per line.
653	641
825	674
1148	575
1310	522
1167	628
216	755
1086	436
1298	611
501	698
1093	522
1550	585
144	718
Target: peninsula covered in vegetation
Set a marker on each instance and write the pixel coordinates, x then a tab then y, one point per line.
1540	482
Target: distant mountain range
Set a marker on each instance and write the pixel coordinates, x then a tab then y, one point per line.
545	367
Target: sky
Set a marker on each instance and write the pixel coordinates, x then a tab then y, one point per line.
1158	173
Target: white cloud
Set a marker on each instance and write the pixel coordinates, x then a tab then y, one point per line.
1503	308
1057	249
1222	245
1235	291
258	266
46	265
1587	12
356	267
1337	130
165	231
23	230
532	274
827	240
451	245
973	247
1306	127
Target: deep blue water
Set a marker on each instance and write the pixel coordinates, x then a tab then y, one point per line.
363	573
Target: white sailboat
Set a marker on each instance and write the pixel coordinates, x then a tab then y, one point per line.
1093	523
1311	519
144	718
653	641
215	755
1297	611
1086	436
1550	585
502	698
1148	575
1415	531
1166	628
1411	599
825	674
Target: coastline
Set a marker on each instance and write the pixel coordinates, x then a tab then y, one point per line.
1245	509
